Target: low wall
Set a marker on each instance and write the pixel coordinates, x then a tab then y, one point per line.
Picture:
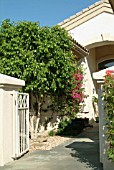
107	164
8	86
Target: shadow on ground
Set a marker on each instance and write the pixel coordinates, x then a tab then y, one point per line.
85	149
79	153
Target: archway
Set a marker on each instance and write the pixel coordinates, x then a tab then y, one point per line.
105	64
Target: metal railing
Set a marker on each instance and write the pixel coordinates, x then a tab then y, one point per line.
21	124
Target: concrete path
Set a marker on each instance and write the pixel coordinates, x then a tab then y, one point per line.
80	153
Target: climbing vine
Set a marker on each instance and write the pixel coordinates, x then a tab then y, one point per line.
44	58
109	111
78	90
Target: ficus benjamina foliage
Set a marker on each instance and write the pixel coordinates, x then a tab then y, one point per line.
42	56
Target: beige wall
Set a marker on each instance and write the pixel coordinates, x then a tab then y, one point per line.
6	129
1	124
97	29
95	56
89	63
107	164
97	36
46	115
105	52
8	86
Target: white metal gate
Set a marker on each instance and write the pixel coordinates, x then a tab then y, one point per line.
21	124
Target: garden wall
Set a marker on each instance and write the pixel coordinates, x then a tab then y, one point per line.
8	86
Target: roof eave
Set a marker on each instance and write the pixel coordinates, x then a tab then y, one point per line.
112	4
80	52
87	14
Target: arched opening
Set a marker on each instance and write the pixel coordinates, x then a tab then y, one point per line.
105	64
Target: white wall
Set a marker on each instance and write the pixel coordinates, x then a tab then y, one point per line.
6	135
107	164
92	29
89	64
96	30
7	87
1	130
103	144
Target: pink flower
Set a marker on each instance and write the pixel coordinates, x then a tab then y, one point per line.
79	77
79	85
109	72
77	81
76	95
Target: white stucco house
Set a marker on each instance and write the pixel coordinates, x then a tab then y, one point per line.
93	28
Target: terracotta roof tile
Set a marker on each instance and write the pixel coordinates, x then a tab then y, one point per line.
80	46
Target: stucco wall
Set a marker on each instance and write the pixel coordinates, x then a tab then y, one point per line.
97	34
92	30
49	118
104	53
7	120
6	126
89	64
107	164
1	122
8	85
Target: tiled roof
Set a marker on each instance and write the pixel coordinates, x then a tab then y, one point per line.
79	46
86	14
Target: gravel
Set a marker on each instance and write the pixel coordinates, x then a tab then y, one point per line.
46	143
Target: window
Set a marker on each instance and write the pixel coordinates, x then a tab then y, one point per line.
105	64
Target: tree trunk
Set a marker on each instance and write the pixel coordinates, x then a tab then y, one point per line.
32	126
34	119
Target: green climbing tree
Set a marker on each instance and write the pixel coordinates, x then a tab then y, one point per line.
43	57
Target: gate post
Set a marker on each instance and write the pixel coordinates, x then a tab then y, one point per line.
102	123
107	164
8	85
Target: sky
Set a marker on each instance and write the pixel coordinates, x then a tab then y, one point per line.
46	12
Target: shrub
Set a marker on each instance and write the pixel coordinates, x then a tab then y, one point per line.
52	133
71	127
109	111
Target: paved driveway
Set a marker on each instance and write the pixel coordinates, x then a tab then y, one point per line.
80	153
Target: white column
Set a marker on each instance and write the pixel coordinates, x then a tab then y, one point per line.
101	123
1	127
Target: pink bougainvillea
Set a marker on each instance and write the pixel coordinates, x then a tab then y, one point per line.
108	97
77	92
109	72
76	95
79	77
